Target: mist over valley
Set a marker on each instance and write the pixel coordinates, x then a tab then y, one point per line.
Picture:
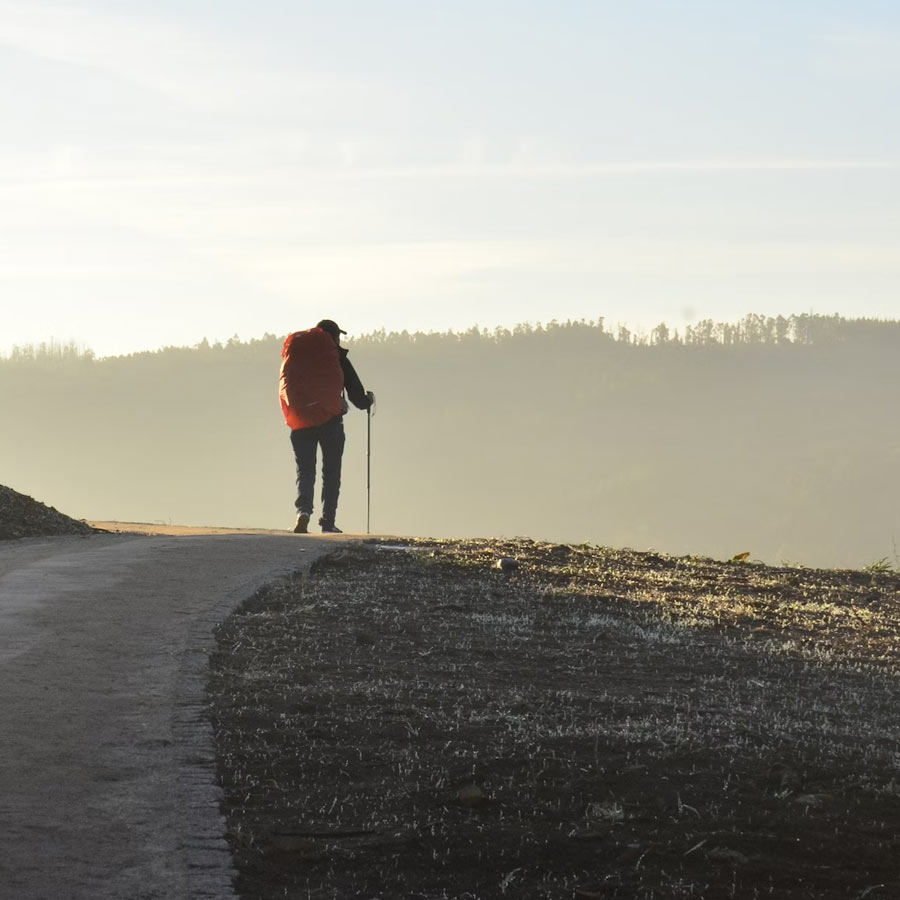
778	437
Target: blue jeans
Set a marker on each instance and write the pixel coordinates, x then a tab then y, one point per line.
306	441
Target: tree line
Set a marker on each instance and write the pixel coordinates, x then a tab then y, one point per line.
774	435
804	329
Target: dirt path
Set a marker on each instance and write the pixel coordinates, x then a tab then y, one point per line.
106	769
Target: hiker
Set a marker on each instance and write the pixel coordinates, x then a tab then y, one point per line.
316	376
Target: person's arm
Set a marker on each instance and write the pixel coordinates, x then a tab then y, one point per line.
355	390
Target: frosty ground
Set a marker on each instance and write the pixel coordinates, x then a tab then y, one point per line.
409	721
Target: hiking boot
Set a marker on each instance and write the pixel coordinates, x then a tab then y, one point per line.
329	528
301	526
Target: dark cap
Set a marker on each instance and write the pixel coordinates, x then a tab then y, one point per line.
331	327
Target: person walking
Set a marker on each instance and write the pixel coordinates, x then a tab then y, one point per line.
316	380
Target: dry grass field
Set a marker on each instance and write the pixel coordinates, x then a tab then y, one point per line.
410	721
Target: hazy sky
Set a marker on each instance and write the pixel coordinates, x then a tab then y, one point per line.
201	168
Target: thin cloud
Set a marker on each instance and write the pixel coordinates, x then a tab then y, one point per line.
351	167
862	51
612	169
171	59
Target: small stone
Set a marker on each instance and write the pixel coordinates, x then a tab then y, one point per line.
781	776
293	848
471	795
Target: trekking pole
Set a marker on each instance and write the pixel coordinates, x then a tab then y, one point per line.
369	462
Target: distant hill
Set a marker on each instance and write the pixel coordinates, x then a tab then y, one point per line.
774	436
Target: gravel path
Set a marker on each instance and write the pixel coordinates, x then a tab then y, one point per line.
106	768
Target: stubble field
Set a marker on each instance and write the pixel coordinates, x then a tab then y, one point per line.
409	721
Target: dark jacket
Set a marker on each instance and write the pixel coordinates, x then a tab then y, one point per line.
352	385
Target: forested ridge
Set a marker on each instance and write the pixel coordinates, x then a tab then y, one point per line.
777	436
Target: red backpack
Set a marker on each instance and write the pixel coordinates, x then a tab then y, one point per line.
312	381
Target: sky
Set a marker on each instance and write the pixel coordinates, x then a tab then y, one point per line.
174	171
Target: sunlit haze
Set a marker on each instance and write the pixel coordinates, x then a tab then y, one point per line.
178	170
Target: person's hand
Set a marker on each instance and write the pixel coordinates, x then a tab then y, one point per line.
371	397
